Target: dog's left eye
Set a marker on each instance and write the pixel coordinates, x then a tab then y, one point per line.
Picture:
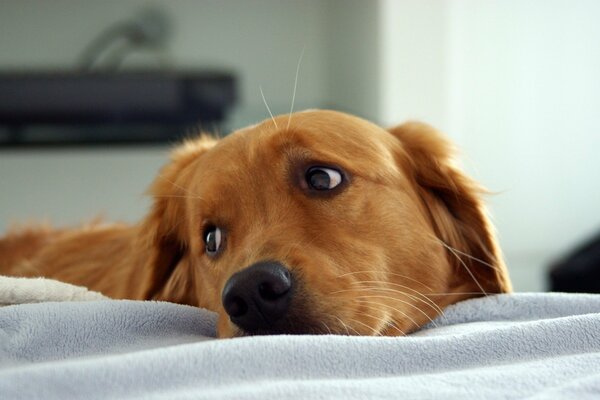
321	178
212	239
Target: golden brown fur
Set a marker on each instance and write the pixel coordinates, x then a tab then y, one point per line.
406	236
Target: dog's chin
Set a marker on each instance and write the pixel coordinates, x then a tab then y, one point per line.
238	332
288	326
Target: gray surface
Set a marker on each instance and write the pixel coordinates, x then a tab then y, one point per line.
508	346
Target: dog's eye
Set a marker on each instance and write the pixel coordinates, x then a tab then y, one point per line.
321	178
212	239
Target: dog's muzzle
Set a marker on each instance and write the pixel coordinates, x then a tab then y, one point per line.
258	297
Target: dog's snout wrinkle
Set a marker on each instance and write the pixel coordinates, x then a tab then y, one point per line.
258	296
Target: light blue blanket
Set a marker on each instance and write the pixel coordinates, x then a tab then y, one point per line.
542	346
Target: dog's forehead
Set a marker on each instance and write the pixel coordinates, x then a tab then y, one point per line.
325	125
323	133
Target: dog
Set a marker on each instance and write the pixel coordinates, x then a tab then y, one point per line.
316	222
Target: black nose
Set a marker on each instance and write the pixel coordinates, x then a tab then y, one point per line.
256	297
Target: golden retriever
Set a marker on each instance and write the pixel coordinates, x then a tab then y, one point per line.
310	223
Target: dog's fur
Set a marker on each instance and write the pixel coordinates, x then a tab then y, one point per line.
404	236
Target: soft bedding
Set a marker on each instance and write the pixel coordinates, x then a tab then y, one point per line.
542	346
36	290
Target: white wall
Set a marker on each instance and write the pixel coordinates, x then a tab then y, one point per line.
67	187
353	76
525	101
412	59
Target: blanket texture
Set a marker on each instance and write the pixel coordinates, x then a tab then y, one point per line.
540	346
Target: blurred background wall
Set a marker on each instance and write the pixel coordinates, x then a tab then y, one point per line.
515	83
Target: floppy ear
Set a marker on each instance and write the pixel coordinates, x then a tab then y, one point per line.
162	242
455	208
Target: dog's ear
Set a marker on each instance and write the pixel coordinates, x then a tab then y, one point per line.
455	207
162	234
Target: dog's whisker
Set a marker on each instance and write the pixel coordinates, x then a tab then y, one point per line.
375	331
456	252
326	327
373	289
450	248
454	293
426	294
388	323
345	325
162	176
295	87
438	310
267	105
388	273
441	314
399	300
421	297
377	306
393	325
469	271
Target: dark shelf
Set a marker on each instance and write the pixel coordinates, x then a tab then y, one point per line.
103	108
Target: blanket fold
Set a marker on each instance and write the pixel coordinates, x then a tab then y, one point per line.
37	290
541	346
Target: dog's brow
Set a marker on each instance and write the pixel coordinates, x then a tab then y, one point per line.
301	154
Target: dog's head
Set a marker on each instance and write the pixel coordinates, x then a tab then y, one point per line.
329	225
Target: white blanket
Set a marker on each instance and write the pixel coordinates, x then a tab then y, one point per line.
542	346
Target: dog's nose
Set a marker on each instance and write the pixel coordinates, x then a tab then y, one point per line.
257	296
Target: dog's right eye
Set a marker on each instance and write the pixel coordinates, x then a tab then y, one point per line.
321	178
212	240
